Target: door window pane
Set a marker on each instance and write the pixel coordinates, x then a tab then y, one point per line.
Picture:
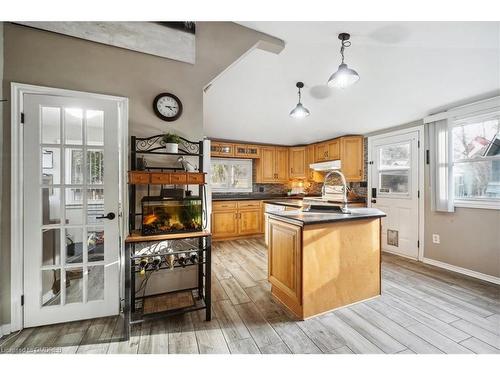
395	156
95	128
51	247
74	285
74	166
394	182
51	125
51	287
73	126
74	206
95	244
51	205
95	167
51	165
95	284
74	245
95	205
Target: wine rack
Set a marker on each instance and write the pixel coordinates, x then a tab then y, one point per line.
145	255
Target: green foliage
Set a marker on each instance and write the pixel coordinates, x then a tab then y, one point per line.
171	138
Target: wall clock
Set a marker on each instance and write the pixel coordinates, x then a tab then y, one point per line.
167	106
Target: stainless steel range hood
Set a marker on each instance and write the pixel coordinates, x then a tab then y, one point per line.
326	166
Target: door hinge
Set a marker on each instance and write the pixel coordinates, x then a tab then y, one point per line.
370	162
418	193
418	243
22	300
427	157
418	144
22	117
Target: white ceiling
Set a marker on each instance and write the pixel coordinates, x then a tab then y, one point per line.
408	70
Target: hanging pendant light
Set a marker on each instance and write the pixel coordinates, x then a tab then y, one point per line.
344	76
299	111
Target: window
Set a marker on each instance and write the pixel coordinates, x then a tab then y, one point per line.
231	175
394	168
476	178
95	170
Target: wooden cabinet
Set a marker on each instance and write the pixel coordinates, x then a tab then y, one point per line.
297	162
246	151
327	151
232	219
222	149
352	158
272	166
165	178
285	262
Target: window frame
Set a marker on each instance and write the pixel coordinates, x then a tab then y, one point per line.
233	162
482	203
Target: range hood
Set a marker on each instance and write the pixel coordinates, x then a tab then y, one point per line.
326	166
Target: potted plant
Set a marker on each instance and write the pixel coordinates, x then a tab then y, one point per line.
171	142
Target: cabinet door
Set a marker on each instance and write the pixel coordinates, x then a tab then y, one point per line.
246	151
334	150
267	164
310	159
321	152
352	158
281	164
221	149
285	259
298	162
249	221
224	224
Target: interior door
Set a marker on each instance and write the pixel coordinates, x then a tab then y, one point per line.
394	184
71	198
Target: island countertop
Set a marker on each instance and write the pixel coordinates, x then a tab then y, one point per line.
299	203
321	217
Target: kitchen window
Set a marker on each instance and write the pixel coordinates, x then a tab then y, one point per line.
475	177
231	175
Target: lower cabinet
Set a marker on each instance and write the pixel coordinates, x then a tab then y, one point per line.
285	262
232	219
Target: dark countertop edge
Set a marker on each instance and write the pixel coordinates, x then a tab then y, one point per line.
260	198
324	221
289	204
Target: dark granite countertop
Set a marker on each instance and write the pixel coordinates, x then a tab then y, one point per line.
321	217
255	196
297	203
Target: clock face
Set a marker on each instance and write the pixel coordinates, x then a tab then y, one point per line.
167	106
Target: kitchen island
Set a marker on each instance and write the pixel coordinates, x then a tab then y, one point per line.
319	261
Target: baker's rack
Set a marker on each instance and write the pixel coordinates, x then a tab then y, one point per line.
177	243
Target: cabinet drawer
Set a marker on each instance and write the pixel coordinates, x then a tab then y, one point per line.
178	178
160	178
249	204
138	177
195	178
223	206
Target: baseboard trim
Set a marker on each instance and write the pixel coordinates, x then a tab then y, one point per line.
464	271
399	255
4	330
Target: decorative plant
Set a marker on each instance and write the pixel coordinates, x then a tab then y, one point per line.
171	138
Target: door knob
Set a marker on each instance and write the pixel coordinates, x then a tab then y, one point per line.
109	216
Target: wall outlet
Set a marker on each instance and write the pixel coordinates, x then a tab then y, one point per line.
436	238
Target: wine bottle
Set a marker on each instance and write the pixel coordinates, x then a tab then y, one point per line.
156	262
170	258
181	259
142	266
193	257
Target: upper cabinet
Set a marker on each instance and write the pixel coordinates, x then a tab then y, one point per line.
222	149
272	166
352	158
246	151
327	151
298	162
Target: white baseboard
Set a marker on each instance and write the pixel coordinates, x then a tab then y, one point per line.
399	255
4	330
464	271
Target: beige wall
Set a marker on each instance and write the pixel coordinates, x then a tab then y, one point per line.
469	237
4	265
48	59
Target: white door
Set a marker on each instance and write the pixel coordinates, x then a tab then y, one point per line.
395	191
70	156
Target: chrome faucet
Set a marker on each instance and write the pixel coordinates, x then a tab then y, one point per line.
344	184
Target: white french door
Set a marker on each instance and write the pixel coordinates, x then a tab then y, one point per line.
395	190
70	204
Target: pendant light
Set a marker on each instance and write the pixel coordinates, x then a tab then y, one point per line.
299	111
344	76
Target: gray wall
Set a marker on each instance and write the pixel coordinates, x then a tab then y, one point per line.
4	265
49	59
470	237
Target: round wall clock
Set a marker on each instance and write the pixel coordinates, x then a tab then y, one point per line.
167	106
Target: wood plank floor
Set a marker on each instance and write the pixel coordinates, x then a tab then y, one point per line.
422	309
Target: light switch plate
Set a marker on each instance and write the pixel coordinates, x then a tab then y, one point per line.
436	238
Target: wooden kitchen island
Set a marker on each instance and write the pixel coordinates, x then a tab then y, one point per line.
321	261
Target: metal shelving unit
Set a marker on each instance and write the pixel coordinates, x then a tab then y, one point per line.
161	248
